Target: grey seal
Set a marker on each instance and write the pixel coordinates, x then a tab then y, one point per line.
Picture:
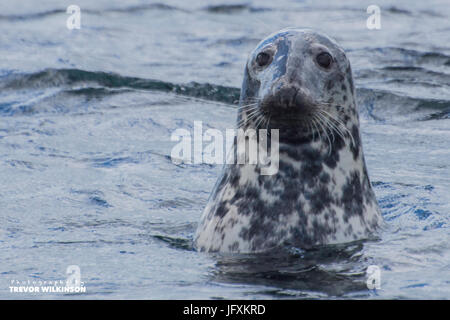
300	82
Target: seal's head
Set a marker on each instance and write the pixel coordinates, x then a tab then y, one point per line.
299	82
294	79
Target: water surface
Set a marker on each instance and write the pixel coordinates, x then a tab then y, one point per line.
85	122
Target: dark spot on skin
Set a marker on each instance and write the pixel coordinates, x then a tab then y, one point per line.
324	178
355	147
222	182
221	210
352	197
232	222
332	159
288	170
366	175
333	215
346	119
311	170
350	79
330	84
234	247
349	230
238	195
301	153
234	176
321	231
319	199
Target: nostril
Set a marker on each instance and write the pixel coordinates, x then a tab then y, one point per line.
287	96
294	97
284	97
302	98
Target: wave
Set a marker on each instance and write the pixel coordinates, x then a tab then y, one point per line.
99	82
234	8
380	105
231	9
130	9
383	105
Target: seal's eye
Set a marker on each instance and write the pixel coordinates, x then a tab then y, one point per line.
324	59
262	59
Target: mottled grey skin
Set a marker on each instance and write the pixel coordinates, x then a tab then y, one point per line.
321	193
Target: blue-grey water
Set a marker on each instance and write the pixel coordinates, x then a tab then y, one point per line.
86	117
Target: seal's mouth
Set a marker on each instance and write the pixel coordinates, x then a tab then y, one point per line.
289	106
295	115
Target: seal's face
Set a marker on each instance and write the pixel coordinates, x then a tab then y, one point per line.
294	79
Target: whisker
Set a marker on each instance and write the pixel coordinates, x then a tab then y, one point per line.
259	121
340	125
255	118
327	124
313	122
248	109
268	124
333	126
248	114
320	124
250	101
311	130
254	99
245	121
249	106
253	113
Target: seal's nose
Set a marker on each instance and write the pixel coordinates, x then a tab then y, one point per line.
286	99
287	96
